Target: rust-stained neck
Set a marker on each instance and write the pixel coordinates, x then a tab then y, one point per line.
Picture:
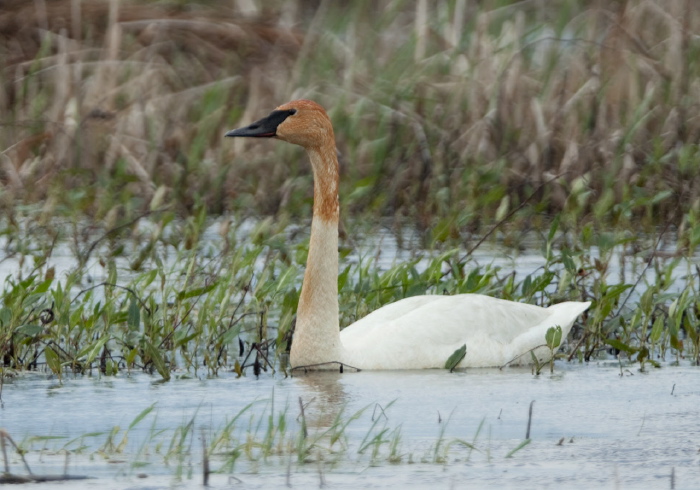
305	123
317	334
324	162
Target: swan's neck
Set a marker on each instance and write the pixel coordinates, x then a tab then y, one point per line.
317	333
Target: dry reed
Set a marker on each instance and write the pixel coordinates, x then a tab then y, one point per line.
441	108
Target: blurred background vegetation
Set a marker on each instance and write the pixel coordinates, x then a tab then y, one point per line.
449	115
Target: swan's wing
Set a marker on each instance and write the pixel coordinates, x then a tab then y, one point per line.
423	331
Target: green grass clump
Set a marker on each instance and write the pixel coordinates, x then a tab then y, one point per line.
225	296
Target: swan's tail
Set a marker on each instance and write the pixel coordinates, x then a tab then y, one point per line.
563	315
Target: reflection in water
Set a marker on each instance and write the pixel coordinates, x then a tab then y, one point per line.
324	397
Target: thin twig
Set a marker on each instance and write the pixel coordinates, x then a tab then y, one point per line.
581	341
303	419
205	461
82	259
521	355
341	364
462	260
529	420
143	304
4	453
4	435
258	348
641	275
382	412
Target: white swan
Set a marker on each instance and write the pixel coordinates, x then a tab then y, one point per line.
414	333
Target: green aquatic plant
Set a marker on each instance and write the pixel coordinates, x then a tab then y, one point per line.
456	358
553	340
208	309
470	446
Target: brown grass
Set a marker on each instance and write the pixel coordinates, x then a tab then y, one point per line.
441	109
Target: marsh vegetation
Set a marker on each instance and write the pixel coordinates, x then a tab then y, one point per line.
456	125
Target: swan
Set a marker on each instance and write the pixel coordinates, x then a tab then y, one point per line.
418	332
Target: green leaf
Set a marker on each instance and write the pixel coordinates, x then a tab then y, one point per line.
646	302
195	292
53	361
134	318
343	278
47	438
183	339
30	330
32	299
158	361
503	208
657	329
661	196
111	368
568	262
553	337
464	443
44	286
92	351
642	354
141	416
690	326
616	344
520	446
616	290
456	358
131	356
286	279
5	315
147	278
676	343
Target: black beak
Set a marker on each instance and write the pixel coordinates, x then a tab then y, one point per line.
265	127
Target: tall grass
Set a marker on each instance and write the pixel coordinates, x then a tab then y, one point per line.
451	115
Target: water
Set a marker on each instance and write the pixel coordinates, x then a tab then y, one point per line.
629	431
638	430
378	245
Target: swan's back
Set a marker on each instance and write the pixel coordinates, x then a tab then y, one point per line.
423	331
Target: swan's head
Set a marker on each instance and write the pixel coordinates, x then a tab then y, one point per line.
301	122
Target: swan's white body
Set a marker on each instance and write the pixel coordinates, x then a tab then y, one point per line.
420	332
426	330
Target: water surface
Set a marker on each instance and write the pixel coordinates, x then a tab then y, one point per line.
629	431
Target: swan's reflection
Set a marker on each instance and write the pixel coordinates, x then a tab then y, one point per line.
322	396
